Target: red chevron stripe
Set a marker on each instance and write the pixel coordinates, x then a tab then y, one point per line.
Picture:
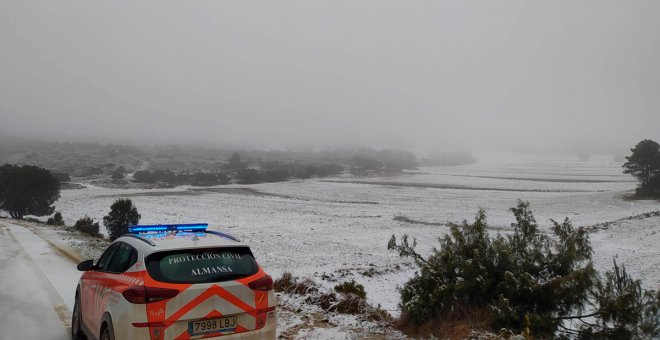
211	291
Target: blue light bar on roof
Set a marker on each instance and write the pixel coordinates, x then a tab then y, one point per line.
136	229
146	228
192	227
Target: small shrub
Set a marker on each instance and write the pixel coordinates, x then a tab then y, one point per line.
122	214
88	226
284	282
351	304
345	303
351	287
292	285
57	219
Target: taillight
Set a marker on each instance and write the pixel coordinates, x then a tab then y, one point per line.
264	283
141	294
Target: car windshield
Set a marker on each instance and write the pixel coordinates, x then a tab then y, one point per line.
202	265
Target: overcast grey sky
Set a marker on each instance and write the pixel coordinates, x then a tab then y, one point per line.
550	75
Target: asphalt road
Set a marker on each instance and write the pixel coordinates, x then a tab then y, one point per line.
37	286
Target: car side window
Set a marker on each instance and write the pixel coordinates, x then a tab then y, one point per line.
102	264
123	258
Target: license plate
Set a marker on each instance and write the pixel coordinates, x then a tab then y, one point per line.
212	325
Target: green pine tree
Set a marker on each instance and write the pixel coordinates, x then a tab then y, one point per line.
122	215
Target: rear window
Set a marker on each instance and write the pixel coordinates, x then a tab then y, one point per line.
202	265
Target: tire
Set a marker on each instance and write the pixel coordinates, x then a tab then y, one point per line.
107	333
76	322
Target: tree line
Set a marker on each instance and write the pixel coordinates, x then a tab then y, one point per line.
111	163
235	169
173	179
31	190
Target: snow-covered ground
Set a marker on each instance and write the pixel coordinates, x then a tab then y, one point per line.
634	242
337	229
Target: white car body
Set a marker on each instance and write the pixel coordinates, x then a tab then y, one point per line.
113	302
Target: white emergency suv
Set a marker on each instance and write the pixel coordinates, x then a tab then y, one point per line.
174	282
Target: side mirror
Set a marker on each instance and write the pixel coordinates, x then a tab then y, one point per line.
86	265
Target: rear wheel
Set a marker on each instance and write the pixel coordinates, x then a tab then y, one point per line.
106	333
76	329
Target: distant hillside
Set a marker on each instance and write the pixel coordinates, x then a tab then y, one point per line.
448	159
116	165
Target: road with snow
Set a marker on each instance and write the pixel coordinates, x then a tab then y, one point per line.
37	286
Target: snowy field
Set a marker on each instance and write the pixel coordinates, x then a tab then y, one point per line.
337	229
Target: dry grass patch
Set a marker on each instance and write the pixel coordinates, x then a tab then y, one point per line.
463	322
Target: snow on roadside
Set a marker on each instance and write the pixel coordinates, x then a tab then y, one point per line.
88	247
300	319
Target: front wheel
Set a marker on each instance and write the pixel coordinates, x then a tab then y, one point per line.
76	329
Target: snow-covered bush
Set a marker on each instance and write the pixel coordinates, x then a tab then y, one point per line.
351	287
530	282
87	225
56	219
288	283
345	303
